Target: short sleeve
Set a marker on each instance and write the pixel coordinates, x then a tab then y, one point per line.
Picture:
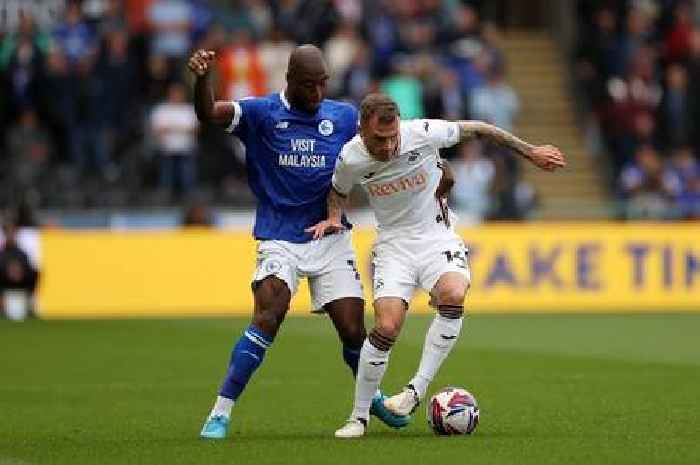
246	113
440	133
343	175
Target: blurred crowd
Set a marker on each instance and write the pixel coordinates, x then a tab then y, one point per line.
638	65
96	99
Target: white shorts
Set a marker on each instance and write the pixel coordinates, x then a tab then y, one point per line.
402	265
328	263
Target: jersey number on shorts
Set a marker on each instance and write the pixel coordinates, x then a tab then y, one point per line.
459	257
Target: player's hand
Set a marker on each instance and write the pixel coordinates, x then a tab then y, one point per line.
447	181
199	62
547	157
324	227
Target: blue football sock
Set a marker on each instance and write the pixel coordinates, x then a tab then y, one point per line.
246	357
352	358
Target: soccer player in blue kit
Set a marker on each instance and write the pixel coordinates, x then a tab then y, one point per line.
292	140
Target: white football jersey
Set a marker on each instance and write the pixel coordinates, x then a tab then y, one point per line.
401	191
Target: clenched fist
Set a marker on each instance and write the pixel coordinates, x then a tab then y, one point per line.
199	62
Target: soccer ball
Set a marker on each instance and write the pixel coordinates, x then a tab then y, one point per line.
451	411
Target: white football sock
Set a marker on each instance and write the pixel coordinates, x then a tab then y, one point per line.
370	371
222	406
439	341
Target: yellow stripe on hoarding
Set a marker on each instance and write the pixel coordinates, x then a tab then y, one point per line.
515	268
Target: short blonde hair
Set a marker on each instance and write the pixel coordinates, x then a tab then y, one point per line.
381	105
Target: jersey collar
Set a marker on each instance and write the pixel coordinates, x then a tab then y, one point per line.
284	100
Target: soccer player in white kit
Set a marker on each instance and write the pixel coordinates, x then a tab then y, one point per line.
398	165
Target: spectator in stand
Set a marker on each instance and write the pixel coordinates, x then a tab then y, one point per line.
693	104
275	49
474	174
638	34
115	75
22	62
404	87
596	55
74	36
495	102
677	41
171	23
639	93
685	169
648	187
59	103
112	18
27	31
358	80
240	70
339	51
197	214
443	97
674	106
174	124
29	151
18	276
383	36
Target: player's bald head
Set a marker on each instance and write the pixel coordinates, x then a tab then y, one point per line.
307	74
306	59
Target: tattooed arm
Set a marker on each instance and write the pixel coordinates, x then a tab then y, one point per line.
336	203
546	157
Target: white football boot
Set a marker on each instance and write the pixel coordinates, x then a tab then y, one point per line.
403	403
354	428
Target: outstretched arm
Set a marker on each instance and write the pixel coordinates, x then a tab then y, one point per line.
207	108
336	204
546	157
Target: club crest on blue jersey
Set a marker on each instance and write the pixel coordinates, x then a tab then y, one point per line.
325	127
273	266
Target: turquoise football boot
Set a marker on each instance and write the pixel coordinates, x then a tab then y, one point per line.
215	427
378	410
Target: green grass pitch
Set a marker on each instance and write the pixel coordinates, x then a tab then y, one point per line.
575	389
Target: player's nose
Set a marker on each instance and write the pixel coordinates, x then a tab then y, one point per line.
318	93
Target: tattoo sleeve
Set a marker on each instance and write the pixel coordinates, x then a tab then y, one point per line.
336	204
471	129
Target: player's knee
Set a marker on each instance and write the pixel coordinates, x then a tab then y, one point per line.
389	327
271	289
452	296
381	338
271	303
454	293
272	294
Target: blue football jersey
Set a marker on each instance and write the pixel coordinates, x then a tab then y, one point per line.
290	157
